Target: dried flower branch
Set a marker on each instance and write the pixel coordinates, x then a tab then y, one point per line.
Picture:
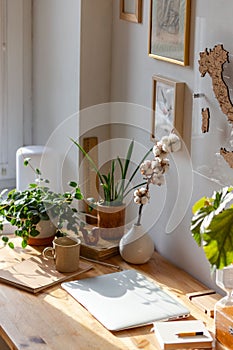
153	170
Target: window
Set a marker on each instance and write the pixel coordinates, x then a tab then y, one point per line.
15	84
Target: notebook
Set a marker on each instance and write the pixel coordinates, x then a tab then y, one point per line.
36	273
167	334
125	299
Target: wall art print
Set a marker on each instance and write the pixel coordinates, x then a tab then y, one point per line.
169	30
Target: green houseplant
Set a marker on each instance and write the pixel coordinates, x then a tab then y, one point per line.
212	227
28	208
116	185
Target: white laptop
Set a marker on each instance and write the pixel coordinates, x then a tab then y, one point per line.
125	299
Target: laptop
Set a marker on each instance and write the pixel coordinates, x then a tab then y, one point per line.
125	299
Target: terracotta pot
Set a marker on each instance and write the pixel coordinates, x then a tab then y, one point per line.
47	233
111	221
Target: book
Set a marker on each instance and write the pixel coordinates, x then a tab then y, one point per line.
101	251
168	338
37	273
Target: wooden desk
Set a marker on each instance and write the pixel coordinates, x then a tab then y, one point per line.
53	320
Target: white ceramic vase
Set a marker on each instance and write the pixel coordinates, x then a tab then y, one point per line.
47	233
136	246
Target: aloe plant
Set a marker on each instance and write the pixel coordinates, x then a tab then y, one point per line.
115	188
212	227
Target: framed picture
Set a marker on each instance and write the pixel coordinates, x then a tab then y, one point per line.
167	107
169	30
131	10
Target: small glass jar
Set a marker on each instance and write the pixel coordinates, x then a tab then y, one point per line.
224	308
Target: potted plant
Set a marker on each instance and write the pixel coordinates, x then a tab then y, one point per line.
212	227
116	186
137	246
38	208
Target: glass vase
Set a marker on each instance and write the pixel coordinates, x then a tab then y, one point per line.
224	308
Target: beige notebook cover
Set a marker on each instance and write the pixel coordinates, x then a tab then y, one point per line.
36	273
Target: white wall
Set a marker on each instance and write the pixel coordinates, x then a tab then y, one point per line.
123	51
56	67
132	70
71	73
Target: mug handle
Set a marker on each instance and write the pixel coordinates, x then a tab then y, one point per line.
49	256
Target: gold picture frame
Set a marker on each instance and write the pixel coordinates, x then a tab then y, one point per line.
169	31
167	107
131	10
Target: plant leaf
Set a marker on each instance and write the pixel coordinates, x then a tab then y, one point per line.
218	239
136	170
26	161
73	184
127	160
91	161
78	194
11	245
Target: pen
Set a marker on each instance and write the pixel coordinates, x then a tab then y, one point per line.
102	263
189	334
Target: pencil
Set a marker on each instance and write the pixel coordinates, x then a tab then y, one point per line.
189	334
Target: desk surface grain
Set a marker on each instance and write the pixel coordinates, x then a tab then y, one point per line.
52	319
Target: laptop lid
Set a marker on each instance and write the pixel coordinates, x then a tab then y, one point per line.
125	299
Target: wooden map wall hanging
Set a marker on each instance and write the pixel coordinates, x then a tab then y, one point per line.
212	62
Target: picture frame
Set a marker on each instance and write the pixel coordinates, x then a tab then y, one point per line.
167	107
169	30
131	10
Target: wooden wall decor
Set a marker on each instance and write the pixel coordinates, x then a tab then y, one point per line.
205	112
212	62
228	156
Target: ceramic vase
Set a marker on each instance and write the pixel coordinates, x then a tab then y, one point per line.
47	233
136	246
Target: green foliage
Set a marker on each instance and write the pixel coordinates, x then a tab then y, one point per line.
212	227
115	188
25	209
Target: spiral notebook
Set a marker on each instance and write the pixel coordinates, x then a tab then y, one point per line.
125	299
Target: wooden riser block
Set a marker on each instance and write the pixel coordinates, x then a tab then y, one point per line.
205	300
